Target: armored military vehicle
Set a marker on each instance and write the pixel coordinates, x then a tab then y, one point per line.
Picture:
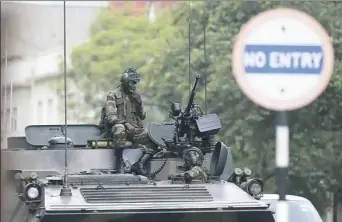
54	176
98	191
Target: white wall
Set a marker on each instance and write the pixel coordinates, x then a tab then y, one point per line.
33	33
34	29
34	101
44	102
32	104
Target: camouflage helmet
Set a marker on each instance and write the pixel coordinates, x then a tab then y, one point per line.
130	74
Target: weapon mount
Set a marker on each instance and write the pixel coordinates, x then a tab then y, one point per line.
193	134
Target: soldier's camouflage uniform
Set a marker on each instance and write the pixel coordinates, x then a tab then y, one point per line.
196	173
122	119
119	107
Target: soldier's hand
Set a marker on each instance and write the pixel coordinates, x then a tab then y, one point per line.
137	97
130	128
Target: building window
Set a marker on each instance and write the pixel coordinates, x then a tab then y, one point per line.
14	117
50	105
5	93
40	112
10	119
50	111
7	119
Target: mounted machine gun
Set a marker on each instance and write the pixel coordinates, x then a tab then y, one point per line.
191	136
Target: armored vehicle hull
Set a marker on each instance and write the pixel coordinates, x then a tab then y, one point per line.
100	192
161	201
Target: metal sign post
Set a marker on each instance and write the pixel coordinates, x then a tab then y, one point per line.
282	163
282	60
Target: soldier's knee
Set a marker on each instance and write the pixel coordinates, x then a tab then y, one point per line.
140	132
119	131
118	127
144	131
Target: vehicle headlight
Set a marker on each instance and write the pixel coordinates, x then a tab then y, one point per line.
33	175
32	192
254	187
238	171
247	171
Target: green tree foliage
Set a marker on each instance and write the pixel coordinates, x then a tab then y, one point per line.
117	41
315	138
161	52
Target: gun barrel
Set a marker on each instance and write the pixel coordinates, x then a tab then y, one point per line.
192	96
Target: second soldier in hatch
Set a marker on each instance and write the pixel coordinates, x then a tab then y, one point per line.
124	113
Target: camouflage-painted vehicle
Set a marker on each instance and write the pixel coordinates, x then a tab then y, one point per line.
96	187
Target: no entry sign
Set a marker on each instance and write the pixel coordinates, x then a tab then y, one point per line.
283	59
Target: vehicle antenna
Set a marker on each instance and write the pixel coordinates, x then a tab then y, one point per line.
65	191
205	22
189	22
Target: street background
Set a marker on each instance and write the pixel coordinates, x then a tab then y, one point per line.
105	38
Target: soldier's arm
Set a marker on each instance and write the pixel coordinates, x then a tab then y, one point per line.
140	105
142	111
111	110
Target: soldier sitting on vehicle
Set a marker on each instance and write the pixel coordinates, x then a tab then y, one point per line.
122	119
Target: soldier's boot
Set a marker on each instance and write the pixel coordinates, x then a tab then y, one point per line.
140	166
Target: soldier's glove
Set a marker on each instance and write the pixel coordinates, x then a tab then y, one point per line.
137	98
130	128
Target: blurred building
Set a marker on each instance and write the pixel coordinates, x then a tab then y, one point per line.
32	37
32	40
145	7
141	6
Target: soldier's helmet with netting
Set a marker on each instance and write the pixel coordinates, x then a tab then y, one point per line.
130	74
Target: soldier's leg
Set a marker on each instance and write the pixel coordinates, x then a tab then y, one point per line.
120	136
142	137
